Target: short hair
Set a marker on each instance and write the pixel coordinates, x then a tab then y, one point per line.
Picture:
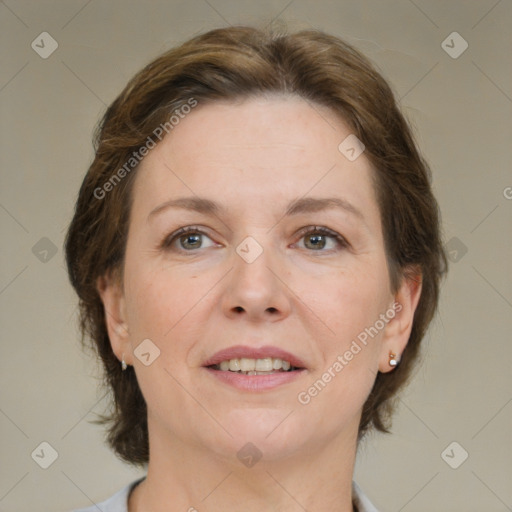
232	64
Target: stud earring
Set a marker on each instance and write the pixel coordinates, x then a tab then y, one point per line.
393	359
123	364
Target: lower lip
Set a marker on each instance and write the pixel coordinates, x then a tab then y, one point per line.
255	382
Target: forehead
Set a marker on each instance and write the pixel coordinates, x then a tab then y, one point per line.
255	152
274	129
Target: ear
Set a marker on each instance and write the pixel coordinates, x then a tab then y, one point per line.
111	292
398	329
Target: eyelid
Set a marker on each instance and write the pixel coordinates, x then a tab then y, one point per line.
341	240
171	238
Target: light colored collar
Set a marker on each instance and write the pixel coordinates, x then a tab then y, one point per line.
119	501
360	500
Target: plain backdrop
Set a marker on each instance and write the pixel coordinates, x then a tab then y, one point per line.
459	101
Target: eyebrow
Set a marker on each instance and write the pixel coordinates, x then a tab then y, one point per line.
295	207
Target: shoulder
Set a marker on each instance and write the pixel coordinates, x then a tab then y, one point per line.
360	500
116	503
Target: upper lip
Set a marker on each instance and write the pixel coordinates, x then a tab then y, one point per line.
241	351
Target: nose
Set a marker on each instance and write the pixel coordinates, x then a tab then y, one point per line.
256	289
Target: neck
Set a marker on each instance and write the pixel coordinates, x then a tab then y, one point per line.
188	477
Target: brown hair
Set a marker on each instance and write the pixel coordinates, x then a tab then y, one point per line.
229	64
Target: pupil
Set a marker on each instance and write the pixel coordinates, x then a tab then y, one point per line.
317	238
194	238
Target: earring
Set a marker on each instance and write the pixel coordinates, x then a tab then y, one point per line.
393	359
123	364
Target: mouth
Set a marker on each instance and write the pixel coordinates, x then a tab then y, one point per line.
255	369
248	366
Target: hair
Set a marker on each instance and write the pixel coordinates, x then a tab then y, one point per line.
231	64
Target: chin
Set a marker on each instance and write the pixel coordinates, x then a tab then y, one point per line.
264	429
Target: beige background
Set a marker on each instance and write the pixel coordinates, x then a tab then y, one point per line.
461	110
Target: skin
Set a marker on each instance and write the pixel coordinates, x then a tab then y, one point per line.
254	157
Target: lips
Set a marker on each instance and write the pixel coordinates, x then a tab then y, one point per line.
241	351
288	368
226	367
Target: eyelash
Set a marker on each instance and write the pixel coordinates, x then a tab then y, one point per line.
320	230
310	230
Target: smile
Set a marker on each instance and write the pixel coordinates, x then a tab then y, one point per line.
255	369
247	366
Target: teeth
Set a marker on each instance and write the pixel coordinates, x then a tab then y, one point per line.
254	366
234	365
247	365
264	365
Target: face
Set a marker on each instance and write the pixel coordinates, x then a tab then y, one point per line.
252	237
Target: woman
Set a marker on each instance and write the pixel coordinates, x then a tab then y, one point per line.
257	254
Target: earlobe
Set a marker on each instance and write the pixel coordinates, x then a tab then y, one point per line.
113	300
399	328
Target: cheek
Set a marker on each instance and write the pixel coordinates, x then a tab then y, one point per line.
162	306
151	306
350	305
347	300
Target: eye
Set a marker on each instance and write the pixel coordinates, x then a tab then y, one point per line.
188	239
317	238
